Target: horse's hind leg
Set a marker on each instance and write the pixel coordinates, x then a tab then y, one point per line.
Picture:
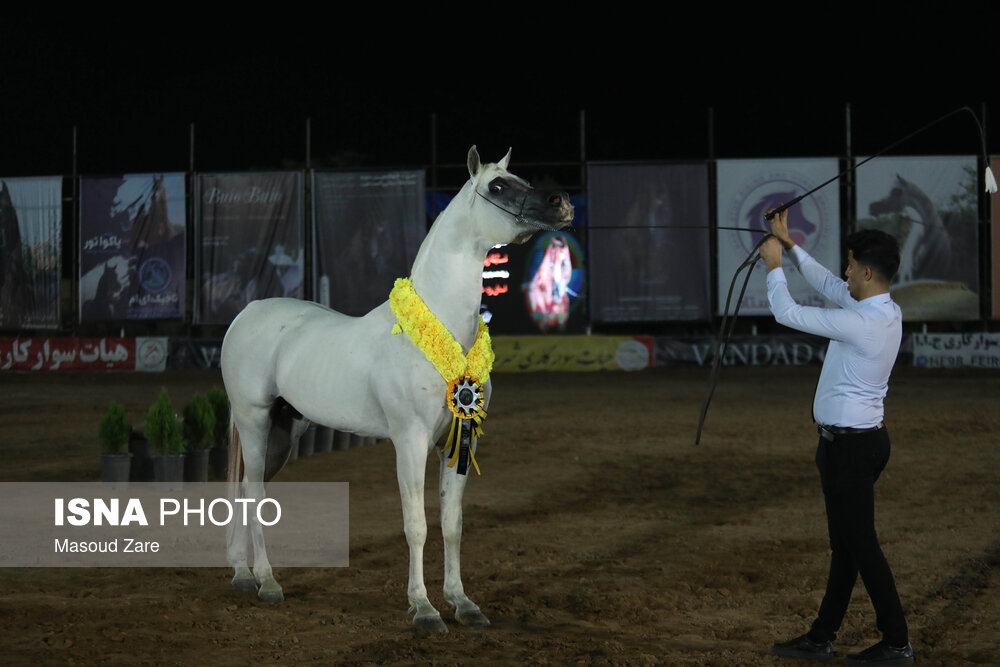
452	489
237	537
253	429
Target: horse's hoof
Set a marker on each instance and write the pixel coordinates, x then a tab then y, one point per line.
270	593
431	624
472	618
244	584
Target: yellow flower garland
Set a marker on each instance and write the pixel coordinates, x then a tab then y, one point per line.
432	338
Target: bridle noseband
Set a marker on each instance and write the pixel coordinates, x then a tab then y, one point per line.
518	217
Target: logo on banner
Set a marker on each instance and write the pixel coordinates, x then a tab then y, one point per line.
805	219
155	275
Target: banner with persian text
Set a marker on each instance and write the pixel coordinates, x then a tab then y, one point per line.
83	354
133	246
367	227
943	350
250	241
749	188
930	204
649	242
30	252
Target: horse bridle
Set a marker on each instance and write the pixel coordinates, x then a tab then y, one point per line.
518	217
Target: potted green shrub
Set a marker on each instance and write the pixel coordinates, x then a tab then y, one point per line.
163	430
114	430
199	433
219	453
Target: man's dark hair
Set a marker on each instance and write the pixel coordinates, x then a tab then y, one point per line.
876	249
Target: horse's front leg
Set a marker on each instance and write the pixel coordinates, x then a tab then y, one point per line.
411	461
452	489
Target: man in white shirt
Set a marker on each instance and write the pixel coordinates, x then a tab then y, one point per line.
853	448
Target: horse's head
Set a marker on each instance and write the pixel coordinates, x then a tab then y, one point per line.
507	208
903	194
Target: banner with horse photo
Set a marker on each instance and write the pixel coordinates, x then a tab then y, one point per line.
930	204
133	245
649	242
367	229
250	241
539	286
749	188
30	252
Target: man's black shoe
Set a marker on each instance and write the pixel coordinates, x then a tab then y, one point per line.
805	648
882	654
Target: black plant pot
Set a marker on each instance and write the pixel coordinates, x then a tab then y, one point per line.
143	454
168	471
196	465
115	470
218	460
307	445
342	440
324	439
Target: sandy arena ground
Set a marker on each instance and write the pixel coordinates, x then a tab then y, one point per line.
599	533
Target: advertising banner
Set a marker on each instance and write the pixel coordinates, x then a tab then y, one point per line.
30	252
132	247
367	227
646	264
83	354
749	188
516	354
977	350
778	350
539	286
250	241
930	204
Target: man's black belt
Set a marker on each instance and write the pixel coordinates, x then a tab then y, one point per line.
831	432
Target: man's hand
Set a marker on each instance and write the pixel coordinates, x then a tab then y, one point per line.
779	227
770	252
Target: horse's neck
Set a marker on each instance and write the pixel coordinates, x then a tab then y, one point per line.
922	204
448	271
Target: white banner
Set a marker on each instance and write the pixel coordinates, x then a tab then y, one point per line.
748	188
930	205
978	350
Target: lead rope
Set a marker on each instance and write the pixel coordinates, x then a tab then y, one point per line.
722	341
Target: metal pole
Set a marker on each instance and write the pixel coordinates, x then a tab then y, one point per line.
989	275
308	143
849	194
583	151
434	173
74	241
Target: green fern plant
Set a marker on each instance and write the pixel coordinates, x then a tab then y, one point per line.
199	422
220	405
162	428
114	429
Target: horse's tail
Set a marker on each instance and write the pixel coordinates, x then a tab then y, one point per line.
234	475
235	471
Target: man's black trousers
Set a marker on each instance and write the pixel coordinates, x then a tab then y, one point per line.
848	466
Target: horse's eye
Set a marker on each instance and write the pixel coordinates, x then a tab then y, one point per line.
497	186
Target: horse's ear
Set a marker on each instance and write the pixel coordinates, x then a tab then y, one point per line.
473	162
506	159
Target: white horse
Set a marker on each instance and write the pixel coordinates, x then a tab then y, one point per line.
286	363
